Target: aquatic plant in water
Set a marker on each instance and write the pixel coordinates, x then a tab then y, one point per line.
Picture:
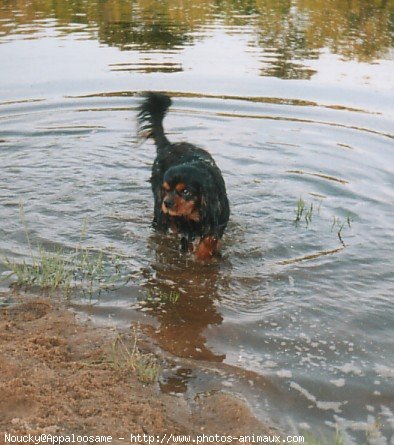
81	269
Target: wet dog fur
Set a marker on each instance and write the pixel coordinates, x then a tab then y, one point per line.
188	188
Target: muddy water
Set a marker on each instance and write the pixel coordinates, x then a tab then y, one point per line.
294	101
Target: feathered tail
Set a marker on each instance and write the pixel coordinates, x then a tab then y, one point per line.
150	118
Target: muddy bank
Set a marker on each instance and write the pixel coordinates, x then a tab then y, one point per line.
58	376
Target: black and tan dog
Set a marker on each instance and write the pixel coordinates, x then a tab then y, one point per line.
188	188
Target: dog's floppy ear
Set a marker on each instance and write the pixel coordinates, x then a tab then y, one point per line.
210	209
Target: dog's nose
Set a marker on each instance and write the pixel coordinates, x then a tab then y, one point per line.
169	203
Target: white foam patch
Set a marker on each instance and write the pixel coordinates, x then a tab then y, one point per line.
284	373
338	382
270	364
388	414
350	368
334	406
384	371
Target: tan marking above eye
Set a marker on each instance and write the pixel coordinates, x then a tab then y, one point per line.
180	187
166	186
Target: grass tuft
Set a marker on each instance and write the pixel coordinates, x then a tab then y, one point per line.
303	211
337	222
308	214
49	270
160	298
81	269
124	357
299	210
310	439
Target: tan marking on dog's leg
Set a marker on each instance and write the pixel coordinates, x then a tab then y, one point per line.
207	248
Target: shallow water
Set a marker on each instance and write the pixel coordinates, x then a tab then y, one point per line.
294	100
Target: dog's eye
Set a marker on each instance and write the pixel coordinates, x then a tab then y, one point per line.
186	193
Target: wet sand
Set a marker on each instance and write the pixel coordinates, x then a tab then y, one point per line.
57	377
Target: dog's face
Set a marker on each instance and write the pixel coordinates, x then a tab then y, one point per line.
180	199
181	194
193	192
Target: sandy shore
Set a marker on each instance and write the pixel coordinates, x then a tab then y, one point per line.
56	378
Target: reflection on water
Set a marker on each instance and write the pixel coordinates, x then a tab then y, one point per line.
296	317
182	324
283	34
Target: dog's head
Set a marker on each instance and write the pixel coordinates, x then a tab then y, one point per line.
188	191
181	193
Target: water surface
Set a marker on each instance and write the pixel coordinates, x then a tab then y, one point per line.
294	101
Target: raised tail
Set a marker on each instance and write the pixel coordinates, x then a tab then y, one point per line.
150	118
